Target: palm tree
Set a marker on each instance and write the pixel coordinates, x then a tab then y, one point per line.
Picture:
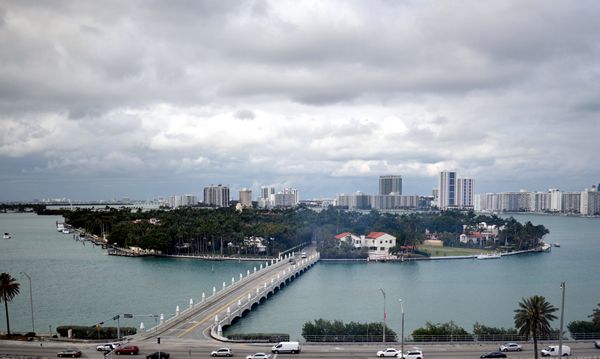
9	288
533	317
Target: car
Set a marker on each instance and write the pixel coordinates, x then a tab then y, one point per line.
389	352
158	355
597	344
286	347
510	347
413	354
303	255
552	351
222	352
493	355
69	352
127	349
107	347
258	356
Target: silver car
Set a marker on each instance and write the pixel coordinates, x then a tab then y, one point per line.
510	347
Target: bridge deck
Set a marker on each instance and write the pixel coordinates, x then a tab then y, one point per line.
220	309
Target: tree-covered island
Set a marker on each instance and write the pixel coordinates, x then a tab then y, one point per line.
252	232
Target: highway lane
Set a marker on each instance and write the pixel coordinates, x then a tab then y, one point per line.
185	348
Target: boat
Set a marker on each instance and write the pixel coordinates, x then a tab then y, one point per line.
489	256
557	244
6	235
66	231
60	227
546	247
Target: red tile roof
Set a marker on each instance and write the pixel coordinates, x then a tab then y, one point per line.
343	235
375	235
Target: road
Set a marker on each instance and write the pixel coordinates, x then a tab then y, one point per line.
186	348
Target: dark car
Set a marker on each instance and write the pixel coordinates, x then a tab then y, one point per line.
127	349
493	355
158	355
69	352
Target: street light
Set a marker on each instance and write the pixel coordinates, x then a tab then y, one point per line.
384	313
562	313
30	301
402	333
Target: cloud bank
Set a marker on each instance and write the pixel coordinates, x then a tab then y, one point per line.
148	98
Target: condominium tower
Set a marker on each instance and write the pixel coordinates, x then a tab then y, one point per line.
390	184
447	190
216	195
246	197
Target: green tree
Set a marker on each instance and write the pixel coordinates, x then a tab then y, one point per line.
596	315
9	288
533	318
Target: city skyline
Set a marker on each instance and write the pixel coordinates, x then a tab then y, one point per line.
139	100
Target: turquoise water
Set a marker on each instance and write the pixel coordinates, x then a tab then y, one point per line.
464	291
76	284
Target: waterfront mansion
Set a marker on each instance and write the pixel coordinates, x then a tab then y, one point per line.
378	243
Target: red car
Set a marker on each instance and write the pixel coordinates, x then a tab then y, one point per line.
127	349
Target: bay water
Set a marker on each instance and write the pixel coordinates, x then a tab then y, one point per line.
77	284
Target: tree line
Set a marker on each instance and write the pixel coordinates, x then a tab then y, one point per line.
222	231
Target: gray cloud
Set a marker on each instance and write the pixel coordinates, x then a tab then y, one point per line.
250	92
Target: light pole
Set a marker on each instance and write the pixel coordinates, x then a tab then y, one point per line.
562	313
402	332
384	313
30	301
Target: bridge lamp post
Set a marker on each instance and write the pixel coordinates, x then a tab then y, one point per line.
30	300
384	313
402	332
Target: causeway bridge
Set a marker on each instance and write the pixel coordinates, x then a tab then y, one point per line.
206	319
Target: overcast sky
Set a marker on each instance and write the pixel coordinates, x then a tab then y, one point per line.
107	99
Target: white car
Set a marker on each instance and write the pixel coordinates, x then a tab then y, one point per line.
107	347
413	354
389	352
222	352
258	356
510	347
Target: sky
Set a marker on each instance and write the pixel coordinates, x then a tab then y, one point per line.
140	99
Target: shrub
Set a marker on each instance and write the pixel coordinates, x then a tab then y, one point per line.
87	332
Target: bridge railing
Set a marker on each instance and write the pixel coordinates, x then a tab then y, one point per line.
260	292
217	293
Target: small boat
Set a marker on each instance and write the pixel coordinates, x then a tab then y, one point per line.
6	235
66	231
60	227
557	244
546	247
489	256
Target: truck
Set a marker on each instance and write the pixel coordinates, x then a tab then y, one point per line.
286	347
552	351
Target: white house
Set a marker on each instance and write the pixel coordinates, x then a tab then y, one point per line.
350	238
378	243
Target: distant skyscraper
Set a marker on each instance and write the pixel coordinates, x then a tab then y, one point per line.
447	190
246	197
390	184
555	199
216	195
465	192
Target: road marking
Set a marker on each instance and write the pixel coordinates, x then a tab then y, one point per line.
212	315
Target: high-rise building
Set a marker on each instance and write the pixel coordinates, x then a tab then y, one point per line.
246	197
447	190
571	202
555	199
216	195
182	201
465	192
590	202
390	184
